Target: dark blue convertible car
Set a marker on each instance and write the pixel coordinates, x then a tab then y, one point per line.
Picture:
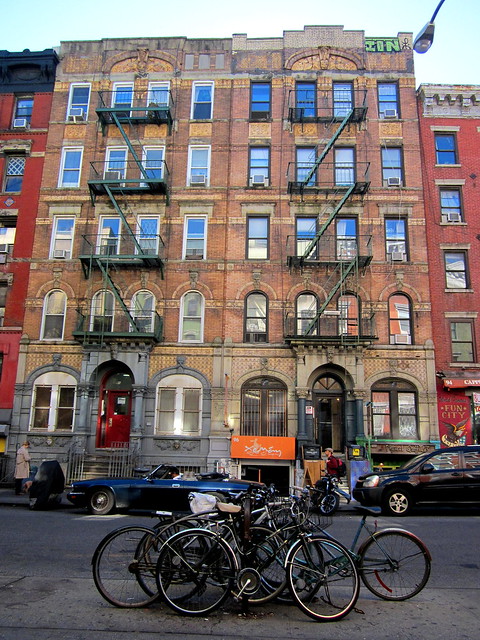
157	490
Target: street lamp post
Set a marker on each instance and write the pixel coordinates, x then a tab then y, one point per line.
424	40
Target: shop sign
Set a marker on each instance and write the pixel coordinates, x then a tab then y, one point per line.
263	448
409	448
461	383
454	420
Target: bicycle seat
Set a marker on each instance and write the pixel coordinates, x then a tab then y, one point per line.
225	507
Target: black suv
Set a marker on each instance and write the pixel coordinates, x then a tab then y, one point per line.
444	476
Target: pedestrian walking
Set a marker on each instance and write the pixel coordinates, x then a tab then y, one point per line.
22	466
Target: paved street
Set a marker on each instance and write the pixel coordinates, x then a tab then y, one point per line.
46	589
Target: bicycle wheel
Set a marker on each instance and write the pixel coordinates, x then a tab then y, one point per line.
123	566
195	571
394	564
322	578
329	504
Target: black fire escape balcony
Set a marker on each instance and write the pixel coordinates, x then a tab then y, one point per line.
115	324
331	328
328	251
328	178
128	178
327	110
135	107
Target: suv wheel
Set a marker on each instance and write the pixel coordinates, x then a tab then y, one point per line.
397	503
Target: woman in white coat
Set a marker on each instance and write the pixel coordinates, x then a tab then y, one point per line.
22	466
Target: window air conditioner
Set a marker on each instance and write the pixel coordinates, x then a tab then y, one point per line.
390	113
113	175
402	338
3	248
20	123
397	256
394	182
454	216
59	253
76	115
258	180
201	179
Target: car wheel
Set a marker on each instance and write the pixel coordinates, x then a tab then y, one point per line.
397	503
101	502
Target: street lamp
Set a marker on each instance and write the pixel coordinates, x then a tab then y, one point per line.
424	40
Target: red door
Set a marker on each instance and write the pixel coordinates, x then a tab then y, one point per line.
117	416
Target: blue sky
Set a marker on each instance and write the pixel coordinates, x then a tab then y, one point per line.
453	58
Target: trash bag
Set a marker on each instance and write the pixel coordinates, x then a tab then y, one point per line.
48	486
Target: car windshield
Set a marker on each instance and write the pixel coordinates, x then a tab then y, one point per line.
413	461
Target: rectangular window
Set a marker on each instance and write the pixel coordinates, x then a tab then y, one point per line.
23	111
305	233
199	166
158	94
342	99
451	206
462	341
179	410
259	166
53	407
78	102
109	236
445	148
306	157
392	167
305	100
116	164
202	100
257	238
346	230
122	97
260	101
62	237
456	269
192	309
147	234
396	239
15	168
153	162
195	237
388	100
70	167
344	166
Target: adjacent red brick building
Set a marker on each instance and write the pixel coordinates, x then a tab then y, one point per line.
26	88
450	148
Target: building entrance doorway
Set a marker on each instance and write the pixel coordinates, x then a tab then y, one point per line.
328	394
279	475
115	414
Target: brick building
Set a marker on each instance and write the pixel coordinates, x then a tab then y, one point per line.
450	137
26	87
230	254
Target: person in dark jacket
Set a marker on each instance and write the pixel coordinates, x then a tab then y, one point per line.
332	463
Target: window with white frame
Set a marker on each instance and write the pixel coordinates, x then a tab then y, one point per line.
153	158
306	313
116	163
53	319
400	319
344	166
257	237
306	157
78	102
122	96
195	237
143	310
259	166
101	319
53	406
108	240
14	171
191	317
70	167
456	269
158	94
396	247
346	231
199	165
392	166
451	205
202	101
306	230
148	234
179	406
342	99
62	237
388	105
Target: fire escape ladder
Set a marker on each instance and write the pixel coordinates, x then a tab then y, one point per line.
328	146
327	223
345	269
116	293
129	145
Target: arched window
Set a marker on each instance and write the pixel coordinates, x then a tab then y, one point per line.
349	319
54	307
256	317
191	317
394	410
143	311
179	402
102	312
400	319
306	312
53	405
264	408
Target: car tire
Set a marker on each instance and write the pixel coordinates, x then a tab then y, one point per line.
397	502
101	502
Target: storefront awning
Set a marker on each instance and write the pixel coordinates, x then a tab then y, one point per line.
460	383
263	448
